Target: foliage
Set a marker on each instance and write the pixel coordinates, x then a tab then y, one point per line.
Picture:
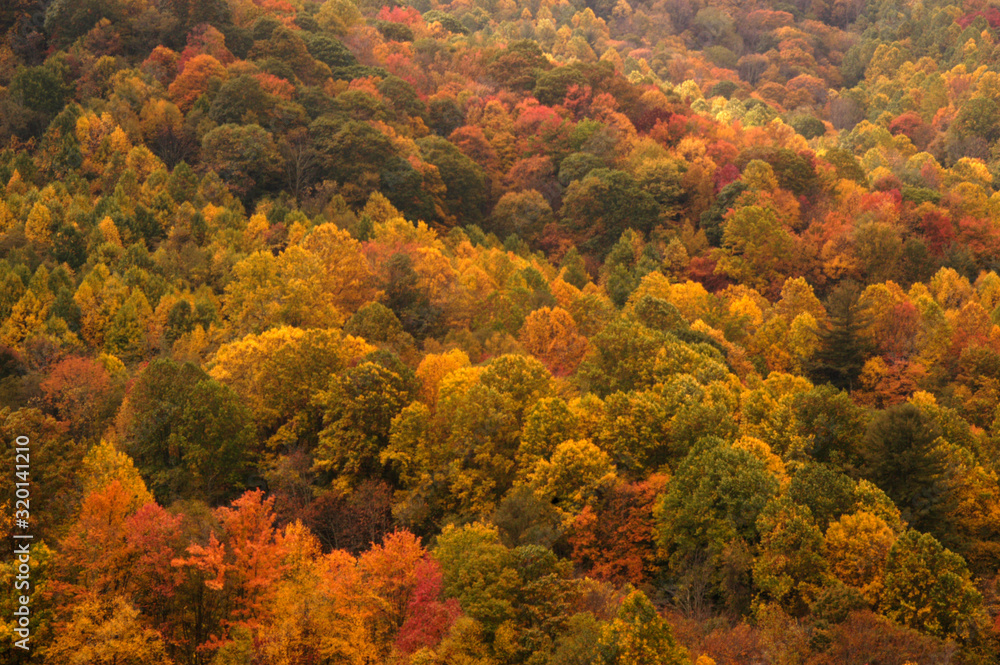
699	297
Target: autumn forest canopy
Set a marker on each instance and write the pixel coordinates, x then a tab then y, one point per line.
551	332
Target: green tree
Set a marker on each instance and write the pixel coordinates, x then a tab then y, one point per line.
360	404
711	220
977	117
125	336
842	349
576	475
518	65
479	571
245	157
928	587
639	636
376	323
601	206
551	86
522	213
622	358
237	98
827	493
901	456
39	93
329	50
757	248
833	423
791	565
188	434
464	180
408	300
579	642
707	520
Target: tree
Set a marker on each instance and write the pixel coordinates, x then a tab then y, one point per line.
408	300
188	434
524	214
791	565
356	154
576	475
436	366
757	248
349	520
278	373
194	81
478	570
858	546
40	93
388	570
125	335
107	631
464	180
601	206
841	352
833	422
865	635
236	98
360	404
376	323
928	587
100	567
525	517
237	570
312	284
82	393
428	616
518	65
347	276
244	156
977	117
551	86
550	335
621	358
300	160
55	459
329	50
901	456
616	539
579	643
103	465
338	16
638	634
826	492
707	519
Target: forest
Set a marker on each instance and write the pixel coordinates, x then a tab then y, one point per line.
483	332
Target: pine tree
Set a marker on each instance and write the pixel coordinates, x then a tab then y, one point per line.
901	456
841	353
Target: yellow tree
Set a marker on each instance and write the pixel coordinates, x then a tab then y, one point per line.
858	546
99	297
27	317
347	277
106	631
551	336
433	368
38	227
639	636
280	371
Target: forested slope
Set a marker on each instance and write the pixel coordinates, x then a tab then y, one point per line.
496	332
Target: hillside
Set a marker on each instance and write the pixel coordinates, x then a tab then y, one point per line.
496	333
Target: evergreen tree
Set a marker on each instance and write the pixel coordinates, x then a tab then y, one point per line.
901	456
841	353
